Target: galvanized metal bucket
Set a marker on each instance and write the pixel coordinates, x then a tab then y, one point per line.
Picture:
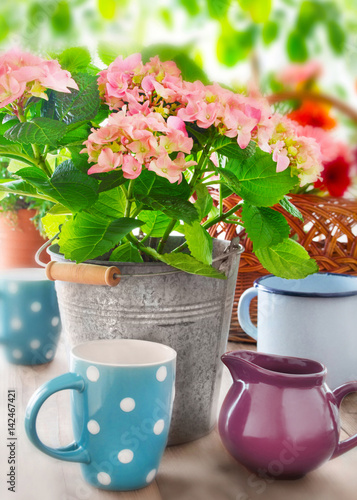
156	302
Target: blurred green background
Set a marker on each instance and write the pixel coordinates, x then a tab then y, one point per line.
244	44
229	39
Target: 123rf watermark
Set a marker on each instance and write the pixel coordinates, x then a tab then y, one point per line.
11	440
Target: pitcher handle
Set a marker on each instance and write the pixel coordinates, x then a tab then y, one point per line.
340	393
244	315
73	452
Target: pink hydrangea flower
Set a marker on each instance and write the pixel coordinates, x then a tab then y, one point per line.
10	88
280	155
240	125
131	167
23	74
165	167
174	122
107	161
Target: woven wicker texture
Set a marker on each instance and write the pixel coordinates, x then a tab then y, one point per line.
328	233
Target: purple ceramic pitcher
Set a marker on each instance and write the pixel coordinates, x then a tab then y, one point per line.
279	417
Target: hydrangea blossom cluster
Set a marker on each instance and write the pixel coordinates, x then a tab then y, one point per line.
291	146
157	89
23	75
134	141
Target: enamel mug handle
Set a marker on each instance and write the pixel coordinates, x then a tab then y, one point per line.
339	394
71	453
244	315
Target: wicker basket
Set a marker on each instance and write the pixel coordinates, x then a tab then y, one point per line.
328	233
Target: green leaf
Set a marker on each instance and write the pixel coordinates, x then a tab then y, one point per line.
9	149
68	185
16	165
265	226
110	180
287	260
51	223
229	148
175	208
88	236
155	223
82	104
191	6
108	51
190	265
259	10
21	188
270	32
259	182
204	201
59	210
309	15
296	47
61	19
199	242
110	204
218	8
234	46
149	183
102	114
290	208
171	199
4	28
6	123
74	59
75	136
230	179
107	9
336	37
41	131
126	252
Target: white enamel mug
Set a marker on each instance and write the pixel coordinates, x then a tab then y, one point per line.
314	318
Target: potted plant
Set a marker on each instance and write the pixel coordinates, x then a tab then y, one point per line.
127	155
21	231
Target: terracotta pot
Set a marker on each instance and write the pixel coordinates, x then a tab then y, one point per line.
19	240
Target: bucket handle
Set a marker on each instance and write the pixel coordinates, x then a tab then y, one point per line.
87	274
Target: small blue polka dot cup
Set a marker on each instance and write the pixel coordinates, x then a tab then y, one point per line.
122	398
29	317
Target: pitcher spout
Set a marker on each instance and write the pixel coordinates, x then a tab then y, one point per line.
241	365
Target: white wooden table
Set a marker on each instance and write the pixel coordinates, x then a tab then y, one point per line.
201	470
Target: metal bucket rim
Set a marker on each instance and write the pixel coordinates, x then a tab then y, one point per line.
237	250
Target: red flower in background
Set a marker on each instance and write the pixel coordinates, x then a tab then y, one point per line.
336	176
314	114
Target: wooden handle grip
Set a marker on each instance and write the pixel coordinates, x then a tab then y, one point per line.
87	274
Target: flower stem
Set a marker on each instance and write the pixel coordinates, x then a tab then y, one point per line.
137	210
149	251
163	240
211	222
129	199
220	199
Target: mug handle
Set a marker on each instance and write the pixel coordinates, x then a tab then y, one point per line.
73	452
244	315
340	393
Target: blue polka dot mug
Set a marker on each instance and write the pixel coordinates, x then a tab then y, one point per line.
122	398
29	317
